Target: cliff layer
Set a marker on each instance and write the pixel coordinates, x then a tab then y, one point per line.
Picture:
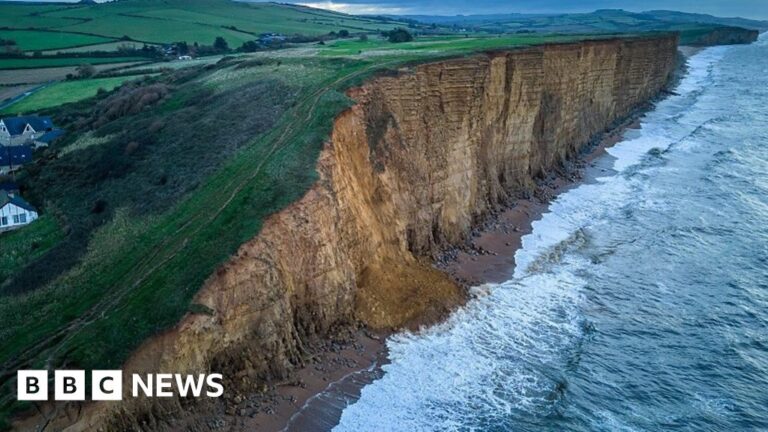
407	171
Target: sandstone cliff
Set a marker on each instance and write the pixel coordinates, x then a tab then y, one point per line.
422	155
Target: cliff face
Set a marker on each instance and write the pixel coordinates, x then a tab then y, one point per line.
723	36
408	169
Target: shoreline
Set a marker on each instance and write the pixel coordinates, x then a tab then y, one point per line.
316	394
487	257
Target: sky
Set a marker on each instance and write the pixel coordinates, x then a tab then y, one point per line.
756	9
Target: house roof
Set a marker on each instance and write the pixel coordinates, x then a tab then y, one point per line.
16	200
16	125
50	136
15	155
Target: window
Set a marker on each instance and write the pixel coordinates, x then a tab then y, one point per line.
23	218
15	219
4	220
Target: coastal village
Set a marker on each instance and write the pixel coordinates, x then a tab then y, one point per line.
19	137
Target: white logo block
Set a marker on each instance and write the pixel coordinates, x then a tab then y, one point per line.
32	385
69	385
107	385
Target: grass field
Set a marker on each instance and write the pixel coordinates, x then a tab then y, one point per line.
63	92
22	16
159	30
192	21
22	246
30	40
351	47
9	77
35	63
109	46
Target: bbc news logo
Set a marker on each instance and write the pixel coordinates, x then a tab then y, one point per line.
107	385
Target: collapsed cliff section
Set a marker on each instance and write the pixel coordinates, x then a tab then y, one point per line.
408	170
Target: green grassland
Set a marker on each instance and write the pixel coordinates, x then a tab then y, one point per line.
23	16
62	93
152	204
51	62
156	30
109	46
192	21
427	45
33	40
21	247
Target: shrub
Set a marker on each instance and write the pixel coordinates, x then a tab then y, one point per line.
220	44
249	46
85	71
398	35
130	99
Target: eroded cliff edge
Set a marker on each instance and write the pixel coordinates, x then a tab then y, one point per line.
423	154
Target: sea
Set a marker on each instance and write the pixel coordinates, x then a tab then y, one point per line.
640	299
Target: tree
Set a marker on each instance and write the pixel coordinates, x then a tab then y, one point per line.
9	46
363	37
249	46
398	35
220	44
343	33
86	70
182	48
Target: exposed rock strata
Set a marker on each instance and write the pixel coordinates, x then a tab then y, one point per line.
407	171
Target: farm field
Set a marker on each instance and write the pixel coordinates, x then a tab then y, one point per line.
13	77
62	93
155	30
109	46
24	16
31	40
11	91
34	63
199	21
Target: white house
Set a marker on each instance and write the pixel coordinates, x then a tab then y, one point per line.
15	212
36	131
